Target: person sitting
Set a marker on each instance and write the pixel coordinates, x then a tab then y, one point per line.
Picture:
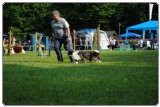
139	44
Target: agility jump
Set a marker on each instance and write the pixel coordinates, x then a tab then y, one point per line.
10	48
41	48
94	42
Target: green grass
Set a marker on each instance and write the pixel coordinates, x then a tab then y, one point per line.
123	78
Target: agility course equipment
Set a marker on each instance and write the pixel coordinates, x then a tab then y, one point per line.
18	49
40	44
95	39
98	37
74	40
9	48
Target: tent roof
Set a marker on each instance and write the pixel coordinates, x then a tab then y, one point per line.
89	31
110	33
130	34
85	31
149	25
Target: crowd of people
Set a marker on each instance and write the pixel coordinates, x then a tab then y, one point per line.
135	43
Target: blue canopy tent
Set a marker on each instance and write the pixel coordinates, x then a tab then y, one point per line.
129	35
149	25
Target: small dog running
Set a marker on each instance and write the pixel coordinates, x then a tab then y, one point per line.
83	56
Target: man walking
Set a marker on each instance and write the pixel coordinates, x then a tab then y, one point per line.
61	31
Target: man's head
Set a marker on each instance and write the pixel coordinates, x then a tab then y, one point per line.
56	15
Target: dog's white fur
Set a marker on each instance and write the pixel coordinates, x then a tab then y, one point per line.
96	51
75	56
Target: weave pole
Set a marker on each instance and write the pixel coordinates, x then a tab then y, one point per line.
36	44
10	42
74	37
94	41
98	37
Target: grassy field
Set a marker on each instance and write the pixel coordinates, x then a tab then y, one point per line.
123	78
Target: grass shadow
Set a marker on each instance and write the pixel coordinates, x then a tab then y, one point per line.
82	84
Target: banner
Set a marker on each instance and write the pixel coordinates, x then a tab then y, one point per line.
150	10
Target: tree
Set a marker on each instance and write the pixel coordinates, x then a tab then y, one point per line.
25	18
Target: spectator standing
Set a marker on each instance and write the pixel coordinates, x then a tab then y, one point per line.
14	40
151	41
112	45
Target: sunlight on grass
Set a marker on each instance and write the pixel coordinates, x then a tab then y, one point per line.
123	78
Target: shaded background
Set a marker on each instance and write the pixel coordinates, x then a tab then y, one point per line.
25	18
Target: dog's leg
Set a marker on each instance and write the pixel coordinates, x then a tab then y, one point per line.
90	59
77	61
97	60
84	60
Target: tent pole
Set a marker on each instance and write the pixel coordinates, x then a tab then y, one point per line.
126	33
157	37
144	32
36	43
98	37
74	39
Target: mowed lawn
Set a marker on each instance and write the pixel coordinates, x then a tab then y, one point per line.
123	78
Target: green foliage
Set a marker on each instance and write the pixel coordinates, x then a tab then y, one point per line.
27	17
16	31
32	17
